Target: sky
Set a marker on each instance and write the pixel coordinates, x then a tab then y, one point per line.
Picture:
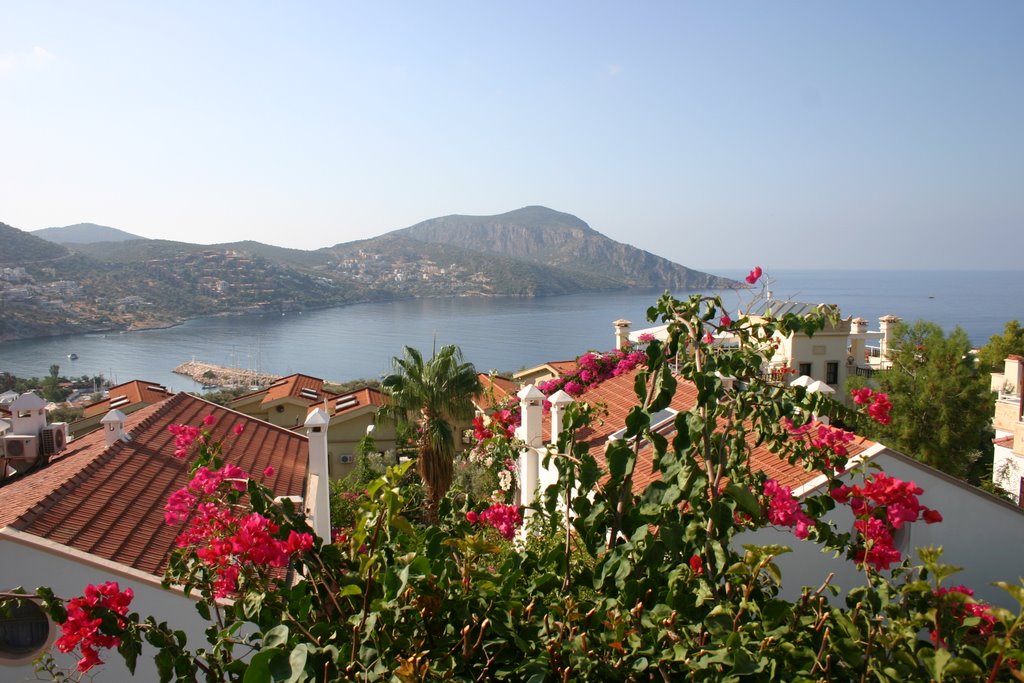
718	135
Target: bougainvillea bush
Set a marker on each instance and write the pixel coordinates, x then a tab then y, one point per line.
623	583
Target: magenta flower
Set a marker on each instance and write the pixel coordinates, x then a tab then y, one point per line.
209	420
269	472
726	321
238	429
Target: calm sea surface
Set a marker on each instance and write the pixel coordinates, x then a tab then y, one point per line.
506	334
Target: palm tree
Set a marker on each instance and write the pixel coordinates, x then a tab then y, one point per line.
431	396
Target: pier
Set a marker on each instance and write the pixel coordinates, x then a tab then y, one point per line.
221	376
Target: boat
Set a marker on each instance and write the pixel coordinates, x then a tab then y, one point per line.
72	356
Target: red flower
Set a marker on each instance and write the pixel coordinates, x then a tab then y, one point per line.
696	565
472	517
209	420
754	275
238	429
726	320
269	472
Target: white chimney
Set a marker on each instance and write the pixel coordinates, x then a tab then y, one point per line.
622	328
531	406
318	501
886	324
113	426
559	401
28	415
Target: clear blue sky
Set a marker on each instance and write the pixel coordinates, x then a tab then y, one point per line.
720	135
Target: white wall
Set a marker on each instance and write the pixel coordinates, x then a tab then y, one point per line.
30	567
979	532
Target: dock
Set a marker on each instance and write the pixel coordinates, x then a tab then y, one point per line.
221	376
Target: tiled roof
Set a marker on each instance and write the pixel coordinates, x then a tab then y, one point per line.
301	387
109	501
559	368
1005	441
352	401
618	398
495	390
128	394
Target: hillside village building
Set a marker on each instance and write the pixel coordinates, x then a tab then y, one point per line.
980	532
831	356
127	398
1008	461
94	512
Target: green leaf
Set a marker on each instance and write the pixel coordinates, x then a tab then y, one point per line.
258	670
297	662
275	637
1016	591
744	498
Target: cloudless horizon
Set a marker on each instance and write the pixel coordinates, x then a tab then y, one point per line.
790	135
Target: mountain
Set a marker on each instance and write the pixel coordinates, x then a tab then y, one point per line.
18	248
85	233
554	239
48	288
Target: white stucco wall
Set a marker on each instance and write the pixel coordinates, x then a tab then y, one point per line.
1007	470
34	565
979	532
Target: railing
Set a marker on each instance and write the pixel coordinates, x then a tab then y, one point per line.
865	372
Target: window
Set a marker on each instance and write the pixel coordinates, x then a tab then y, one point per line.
805	369
832	372
25	631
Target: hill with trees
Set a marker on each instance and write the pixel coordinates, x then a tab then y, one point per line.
126	282
85	233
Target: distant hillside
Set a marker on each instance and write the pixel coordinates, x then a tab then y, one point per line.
132	282
559	240
85	233
18	248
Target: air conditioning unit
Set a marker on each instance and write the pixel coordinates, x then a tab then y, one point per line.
21	451
345	458
54	438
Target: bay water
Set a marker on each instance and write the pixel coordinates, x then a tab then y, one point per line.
494	333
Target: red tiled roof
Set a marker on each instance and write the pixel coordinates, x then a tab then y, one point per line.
1004	441
352	401
618	398
495	390
109	501
128	394
558	368
301	387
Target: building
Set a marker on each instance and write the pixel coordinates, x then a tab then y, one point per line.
980	532
290	400
127	398
94	512
1008	462
839	351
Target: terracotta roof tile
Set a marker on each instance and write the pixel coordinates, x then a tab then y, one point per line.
110	501
617	397
352	401
301	387
1004	441
495	390
128	394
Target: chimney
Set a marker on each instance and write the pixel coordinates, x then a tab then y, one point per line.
318	502
28	415
622	333
558	400
886	324
113	426
1013	375
531	405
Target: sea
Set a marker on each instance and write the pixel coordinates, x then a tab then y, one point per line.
505	334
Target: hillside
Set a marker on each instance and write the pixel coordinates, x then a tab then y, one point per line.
18	248
85	233
559	240
49	288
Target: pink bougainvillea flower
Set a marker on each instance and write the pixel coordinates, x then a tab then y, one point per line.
505	518
472	517
707	339
754	275
269	472
238	429
726	321
209	420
